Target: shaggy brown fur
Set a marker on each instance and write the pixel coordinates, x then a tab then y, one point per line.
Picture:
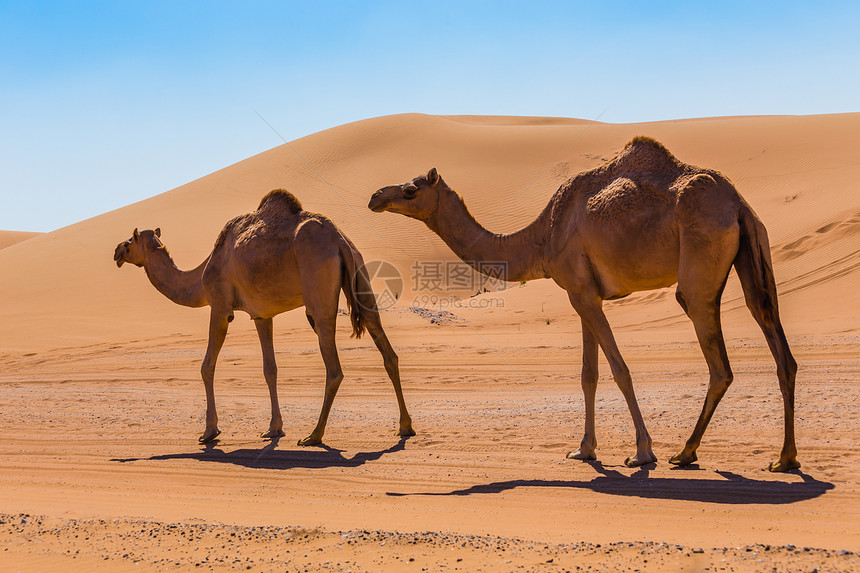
283	197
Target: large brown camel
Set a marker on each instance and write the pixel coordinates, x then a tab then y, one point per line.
275	259
641	221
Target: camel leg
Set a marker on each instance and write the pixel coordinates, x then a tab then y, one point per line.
706	320
270	371
587	448
389	358
705	259
786	371
333	377
767	317
590	311
321	278
217	333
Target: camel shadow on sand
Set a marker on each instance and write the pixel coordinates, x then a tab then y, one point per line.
732	489
269	457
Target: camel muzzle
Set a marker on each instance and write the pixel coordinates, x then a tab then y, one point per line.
378	203
117	256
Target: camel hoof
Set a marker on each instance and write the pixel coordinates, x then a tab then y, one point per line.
683	459
406	432
208	436
271	434
640	459
784	466
580	455
310	441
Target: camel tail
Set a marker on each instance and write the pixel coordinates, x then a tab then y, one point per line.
755	269
354	282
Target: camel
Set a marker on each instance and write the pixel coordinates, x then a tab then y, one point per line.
275	259
642	221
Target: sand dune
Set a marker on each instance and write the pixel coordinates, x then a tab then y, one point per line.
100	400
799	173
9	238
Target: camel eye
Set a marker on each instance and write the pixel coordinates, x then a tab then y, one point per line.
409	191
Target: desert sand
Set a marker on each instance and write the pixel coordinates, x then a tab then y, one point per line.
9	238
101	401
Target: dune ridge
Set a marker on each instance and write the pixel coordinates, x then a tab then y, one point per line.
9	238
799	174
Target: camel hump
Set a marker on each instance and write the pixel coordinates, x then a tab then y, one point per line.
645	154
280	199
643	141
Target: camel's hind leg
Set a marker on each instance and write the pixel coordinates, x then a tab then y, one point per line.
786	371
389	357
760	294
270	371
333	376
704	267
588	445
321	280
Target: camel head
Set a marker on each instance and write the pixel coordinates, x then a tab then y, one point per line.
132	250
418	198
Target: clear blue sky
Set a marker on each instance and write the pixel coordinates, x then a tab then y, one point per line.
106	103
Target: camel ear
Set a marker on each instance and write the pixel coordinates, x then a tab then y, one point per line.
432	176
135	234
158	231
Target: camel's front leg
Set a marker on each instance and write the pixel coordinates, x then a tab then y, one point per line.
587	448
217	333
270	371
333	375
590	310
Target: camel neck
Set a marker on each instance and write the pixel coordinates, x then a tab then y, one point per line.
520	252
182	287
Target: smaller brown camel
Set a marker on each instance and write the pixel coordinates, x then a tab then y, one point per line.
275	259
641	221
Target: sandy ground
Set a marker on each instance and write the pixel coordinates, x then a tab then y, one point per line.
161	546
109	434
101	400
